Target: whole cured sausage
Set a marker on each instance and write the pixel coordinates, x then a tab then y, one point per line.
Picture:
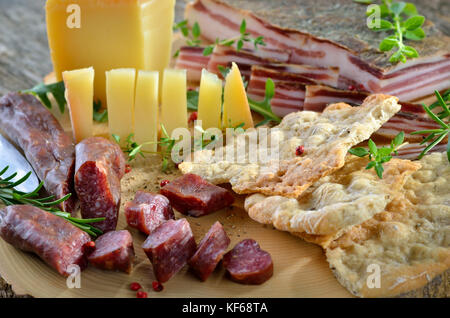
114	251
46	146
193	195
54	240
169	247
100	164
210	251
148	211
247	263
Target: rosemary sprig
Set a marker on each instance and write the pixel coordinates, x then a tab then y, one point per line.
378	156
239	41
435	136
10	196
42	91
405	22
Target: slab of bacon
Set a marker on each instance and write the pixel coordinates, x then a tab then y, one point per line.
290	81
327	38
192	59
413	150
245	58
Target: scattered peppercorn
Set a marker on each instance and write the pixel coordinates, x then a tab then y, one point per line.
141	294
300	150
127	168
351	88
157	286
163	183
193	117
135	286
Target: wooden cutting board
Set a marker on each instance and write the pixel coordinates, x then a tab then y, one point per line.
300	268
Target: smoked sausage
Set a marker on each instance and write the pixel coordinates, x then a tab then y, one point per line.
210	251
193	195
114	251
169	247
46	146
148	211
246	263
100	165
56	241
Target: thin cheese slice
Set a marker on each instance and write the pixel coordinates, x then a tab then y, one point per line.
109	34
210	100
236	110
174	100
146	110
80	97
120	90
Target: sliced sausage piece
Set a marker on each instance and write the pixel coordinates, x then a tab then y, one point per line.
247	263
148	211
46	146
100	164
56	241
210	251
169	247
114	251
191	194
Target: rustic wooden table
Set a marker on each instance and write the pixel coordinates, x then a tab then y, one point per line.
25	60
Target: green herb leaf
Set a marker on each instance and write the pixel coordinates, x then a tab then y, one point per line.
398	7
414	23
208	50
410	9
384	26
192	100
42	91
388	43
416	35
409	51
264	108
360	152
243	27
100	116
363	1
196	30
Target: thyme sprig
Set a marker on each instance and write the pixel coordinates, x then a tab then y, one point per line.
239	41
192	37
379	156
436	136
402	19
10	196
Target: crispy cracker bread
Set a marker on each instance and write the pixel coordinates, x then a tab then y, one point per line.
336	202
410	241
326	138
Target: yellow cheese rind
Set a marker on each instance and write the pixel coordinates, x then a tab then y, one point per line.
113	34
236	110
80	96
146	110
174	100
210	100
120	91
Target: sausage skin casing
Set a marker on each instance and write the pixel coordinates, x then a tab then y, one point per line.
46	146
56	241
100	164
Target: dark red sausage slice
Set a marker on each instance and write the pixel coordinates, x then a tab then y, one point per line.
114	251
54	240
191	194
100	164
169	247
46	146
148	211
210	251
247	263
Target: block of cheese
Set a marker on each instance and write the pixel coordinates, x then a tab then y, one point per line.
80	98
210	100
146	107
109	34
120	90
174	100
236	109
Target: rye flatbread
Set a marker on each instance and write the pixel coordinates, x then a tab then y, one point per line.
326	138
334	203
409	242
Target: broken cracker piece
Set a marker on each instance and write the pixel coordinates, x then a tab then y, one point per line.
409	243
333	204
326	138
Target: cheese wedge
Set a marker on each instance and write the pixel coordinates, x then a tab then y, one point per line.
236	110
80	97
210	101
146	110
109	34
174	100
120	91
